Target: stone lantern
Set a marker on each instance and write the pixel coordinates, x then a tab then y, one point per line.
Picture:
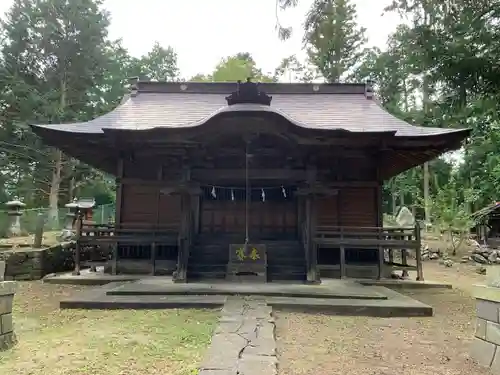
15	211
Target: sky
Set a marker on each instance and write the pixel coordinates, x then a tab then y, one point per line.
203	32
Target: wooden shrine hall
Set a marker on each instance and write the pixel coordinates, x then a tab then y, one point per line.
273	181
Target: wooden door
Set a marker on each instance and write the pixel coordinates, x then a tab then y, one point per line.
264	218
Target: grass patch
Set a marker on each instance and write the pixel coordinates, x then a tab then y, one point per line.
57	342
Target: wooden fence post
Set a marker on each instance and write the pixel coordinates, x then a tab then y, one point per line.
418	252
79	225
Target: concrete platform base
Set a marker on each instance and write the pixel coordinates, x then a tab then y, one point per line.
337	297
406	284
338	289
90	278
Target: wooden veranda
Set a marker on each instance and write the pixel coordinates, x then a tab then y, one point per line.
167	251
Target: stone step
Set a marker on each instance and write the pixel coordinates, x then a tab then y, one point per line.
204	266
394	307
138	302
286	260
206	275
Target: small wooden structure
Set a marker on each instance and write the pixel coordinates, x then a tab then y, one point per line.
487	225
297	168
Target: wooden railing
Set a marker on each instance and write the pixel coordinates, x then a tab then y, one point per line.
367	237
97	244
370	238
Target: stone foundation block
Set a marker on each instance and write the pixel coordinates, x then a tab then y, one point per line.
485	348
480	328
7	336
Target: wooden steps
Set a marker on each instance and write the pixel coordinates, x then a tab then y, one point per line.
209	257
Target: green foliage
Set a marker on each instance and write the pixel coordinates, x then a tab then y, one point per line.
333	39
160	64
293	70
233	68
57	64
439	68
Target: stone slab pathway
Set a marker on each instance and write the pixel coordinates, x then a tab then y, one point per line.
244	342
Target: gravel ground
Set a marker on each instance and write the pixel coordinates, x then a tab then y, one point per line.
327	345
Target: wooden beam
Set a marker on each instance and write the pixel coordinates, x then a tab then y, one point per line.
174	186
317	190
208	175
211	175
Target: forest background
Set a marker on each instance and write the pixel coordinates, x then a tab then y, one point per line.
440	67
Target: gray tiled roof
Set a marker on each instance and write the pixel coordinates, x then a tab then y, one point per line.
350	112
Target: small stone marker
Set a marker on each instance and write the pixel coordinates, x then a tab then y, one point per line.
3	266
405	218
40	222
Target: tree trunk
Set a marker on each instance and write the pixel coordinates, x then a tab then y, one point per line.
394	203
55	185
427	208
71	193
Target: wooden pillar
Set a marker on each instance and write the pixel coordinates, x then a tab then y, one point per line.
380	254
79	225
418	252
118	209
380	218
184	242
195	207
184	238
312	248
404	254
159	178
343	271
300	217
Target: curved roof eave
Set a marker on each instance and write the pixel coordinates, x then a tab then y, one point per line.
337	113
244	110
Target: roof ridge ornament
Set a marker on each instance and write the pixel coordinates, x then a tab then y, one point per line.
248	93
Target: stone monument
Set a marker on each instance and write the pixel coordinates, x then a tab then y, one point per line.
405	218
7	336
485	346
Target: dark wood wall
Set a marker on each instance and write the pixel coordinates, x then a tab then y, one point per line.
349	207
144	205
141	199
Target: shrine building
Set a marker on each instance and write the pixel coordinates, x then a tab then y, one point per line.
277	181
